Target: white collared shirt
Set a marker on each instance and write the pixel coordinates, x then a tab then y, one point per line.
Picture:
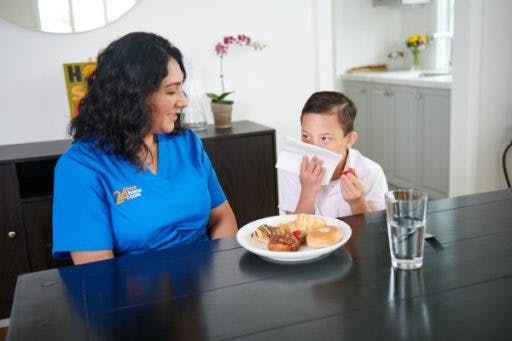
329	200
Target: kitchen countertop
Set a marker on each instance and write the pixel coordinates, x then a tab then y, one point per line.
424	78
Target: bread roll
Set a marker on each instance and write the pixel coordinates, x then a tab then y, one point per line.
307	222
323	236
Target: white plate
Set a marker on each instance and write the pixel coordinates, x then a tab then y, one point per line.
305	252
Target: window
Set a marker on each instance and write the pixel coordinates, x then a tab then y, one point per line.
66	16
443	38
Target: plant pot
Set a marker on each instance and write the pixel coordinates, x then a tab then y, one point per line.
222	115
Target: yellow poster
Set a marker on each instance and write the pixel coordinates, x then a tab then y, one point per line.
76	75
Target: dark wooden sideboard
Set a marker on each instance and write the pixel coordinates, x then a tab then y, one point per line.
243	156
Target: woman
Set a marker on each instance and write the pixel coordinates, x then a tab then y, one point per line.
134	180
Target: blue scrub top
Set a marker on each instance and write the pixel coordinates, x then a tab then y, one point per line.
103	202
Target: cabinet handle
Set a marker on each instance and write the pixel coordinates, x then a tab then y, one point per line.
363	91
11	234
419	97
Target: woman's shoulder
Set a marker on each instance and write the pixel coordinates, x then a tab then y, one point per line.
82	154
77	150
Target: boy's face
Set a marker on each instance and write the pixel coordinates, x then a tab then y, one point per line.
325	131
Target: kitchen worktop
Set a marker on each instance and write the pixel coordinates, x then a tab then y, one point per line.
423	78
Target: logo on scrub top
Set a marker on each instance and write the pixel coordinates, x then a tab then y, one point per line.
127	193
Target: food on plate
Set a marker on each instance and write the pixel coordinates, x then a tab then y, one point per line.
304	223
305	229
308	222
323	236
349	170
284	242
301	237
264	232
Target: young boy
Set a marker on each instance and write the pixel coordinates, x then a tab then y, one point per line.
358	184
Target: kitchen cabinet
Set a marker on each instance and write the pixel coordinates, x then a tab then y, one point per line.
435	140
243	157
381	128
358	93
13	252
408	133
406	138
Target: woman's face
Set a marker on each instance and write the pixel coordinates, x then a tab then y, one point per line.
168	100
325	131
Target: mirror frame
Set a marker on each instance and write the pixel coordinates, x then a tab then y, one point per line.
25	13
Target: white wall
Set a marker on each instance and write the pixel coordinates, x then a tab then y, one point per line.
271	85
481	109
365	34
481	95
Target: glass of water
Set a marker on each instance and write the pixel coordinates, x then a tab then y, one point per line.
406	217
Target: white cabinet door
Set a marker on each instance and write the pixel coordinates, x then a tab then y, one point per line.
357	92
406	148
406	130
382	108
435	141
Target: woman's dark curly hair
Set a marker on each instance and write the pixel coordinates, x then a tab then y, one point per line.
114	112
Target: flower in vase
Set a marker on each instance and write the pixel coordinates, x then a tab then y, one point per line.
416	43
221	49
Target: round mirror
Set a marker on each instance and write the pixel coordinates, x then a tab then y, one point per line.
64	16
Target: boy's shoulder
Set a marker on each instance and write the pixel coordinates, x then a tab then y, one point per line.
365	164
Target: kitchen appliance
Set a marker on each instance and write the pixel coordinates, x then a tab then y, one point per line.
399	2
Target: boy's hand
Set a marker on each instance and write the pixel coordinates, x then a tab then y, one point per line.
352	190
311	174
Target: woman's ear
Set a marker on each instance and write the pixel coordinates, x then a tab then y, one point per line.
351	138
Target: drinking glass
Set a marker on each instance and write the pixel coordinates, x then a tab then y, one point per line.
406	217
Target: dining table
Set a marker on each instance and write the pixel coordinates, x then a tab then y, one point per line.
218	290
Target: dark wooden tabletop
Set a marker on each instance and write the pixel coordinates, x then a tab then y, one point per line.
217	290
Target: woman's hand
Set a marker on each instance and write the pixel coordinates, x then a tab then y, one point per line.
352	190
311	175
222	221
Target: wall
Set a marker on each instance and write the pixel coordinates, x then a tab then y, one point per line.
365	34
271	85
481	102
481	108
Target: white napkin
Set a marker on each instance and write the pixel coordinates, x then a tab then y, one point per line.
290	157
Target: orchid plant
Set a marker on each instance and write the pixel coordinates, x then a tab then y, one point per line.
221	49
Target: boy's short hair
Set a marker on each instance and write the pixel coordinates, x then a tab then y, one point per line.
332	102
